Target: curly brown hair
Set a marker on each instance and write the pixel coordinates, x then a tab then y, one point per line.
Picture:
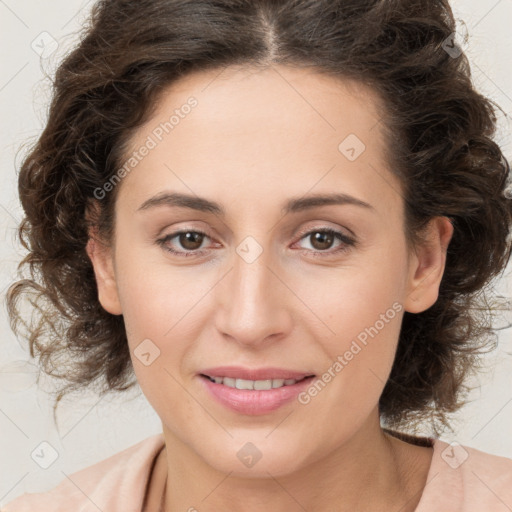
438	129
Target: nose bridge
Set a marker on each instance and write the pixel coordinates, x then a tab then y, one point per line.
253	305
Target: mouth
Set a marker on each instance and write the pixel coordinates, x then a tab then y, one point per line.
250	397
257	385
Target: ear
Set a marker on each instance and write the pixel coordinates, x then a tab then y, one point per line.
426	266
102	262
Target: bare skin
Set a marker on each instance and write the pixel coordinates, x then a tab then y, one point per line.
255	140
155	491
414	460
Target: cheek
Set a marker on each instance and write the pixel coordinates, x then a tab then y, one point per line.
361	309
351	298
366	326
153	294
359	360
162	309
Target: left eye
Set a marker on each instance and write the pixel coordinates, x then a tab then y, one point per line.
191	241
325	237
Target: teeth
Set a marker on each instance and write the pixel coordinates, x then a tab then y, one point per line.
244	384
228	381
253	384
277	383
260	384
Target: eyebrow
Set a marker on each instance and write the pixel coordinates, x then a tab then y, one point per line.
292	205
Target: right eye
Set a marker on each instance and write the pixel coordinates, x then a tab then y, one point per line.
187	238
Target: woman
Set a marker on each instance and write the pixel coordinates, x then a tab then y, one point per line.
277	217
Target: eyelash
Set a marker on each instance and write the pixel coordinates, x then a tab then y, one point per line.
347	242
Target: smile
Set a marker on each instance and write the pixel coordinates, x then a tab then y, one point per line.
253	397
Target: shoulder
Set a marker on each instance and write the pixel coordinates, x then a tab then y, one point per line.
116	483
488	478
465	479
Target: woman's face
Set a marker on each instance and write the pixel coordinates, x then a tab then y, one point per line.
265	286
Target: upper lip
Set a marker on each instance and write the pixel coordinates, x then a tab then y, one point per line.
239	372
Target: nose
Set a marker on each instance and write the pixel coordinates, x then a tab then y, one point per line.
253	302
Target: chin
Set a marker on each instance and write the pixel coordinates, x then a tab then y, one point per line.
253	458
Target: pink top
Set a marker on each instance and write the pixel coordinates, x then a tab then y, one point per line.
460	479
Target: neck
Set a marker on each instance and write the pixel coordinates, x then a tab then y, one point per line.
370	471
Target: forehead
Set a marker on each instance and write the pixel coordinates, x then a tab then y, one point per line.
240	98
259	132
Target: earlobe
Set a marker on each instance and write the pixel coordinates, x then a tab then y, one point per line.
427	266
101	259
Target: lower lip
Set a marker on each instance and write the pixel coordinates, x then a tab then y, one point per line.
253	402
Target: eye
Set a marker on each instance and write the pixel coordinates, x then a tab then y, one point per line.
323	238
189	239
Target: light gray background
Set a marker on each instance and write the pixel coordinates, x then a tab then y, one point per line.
93	429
